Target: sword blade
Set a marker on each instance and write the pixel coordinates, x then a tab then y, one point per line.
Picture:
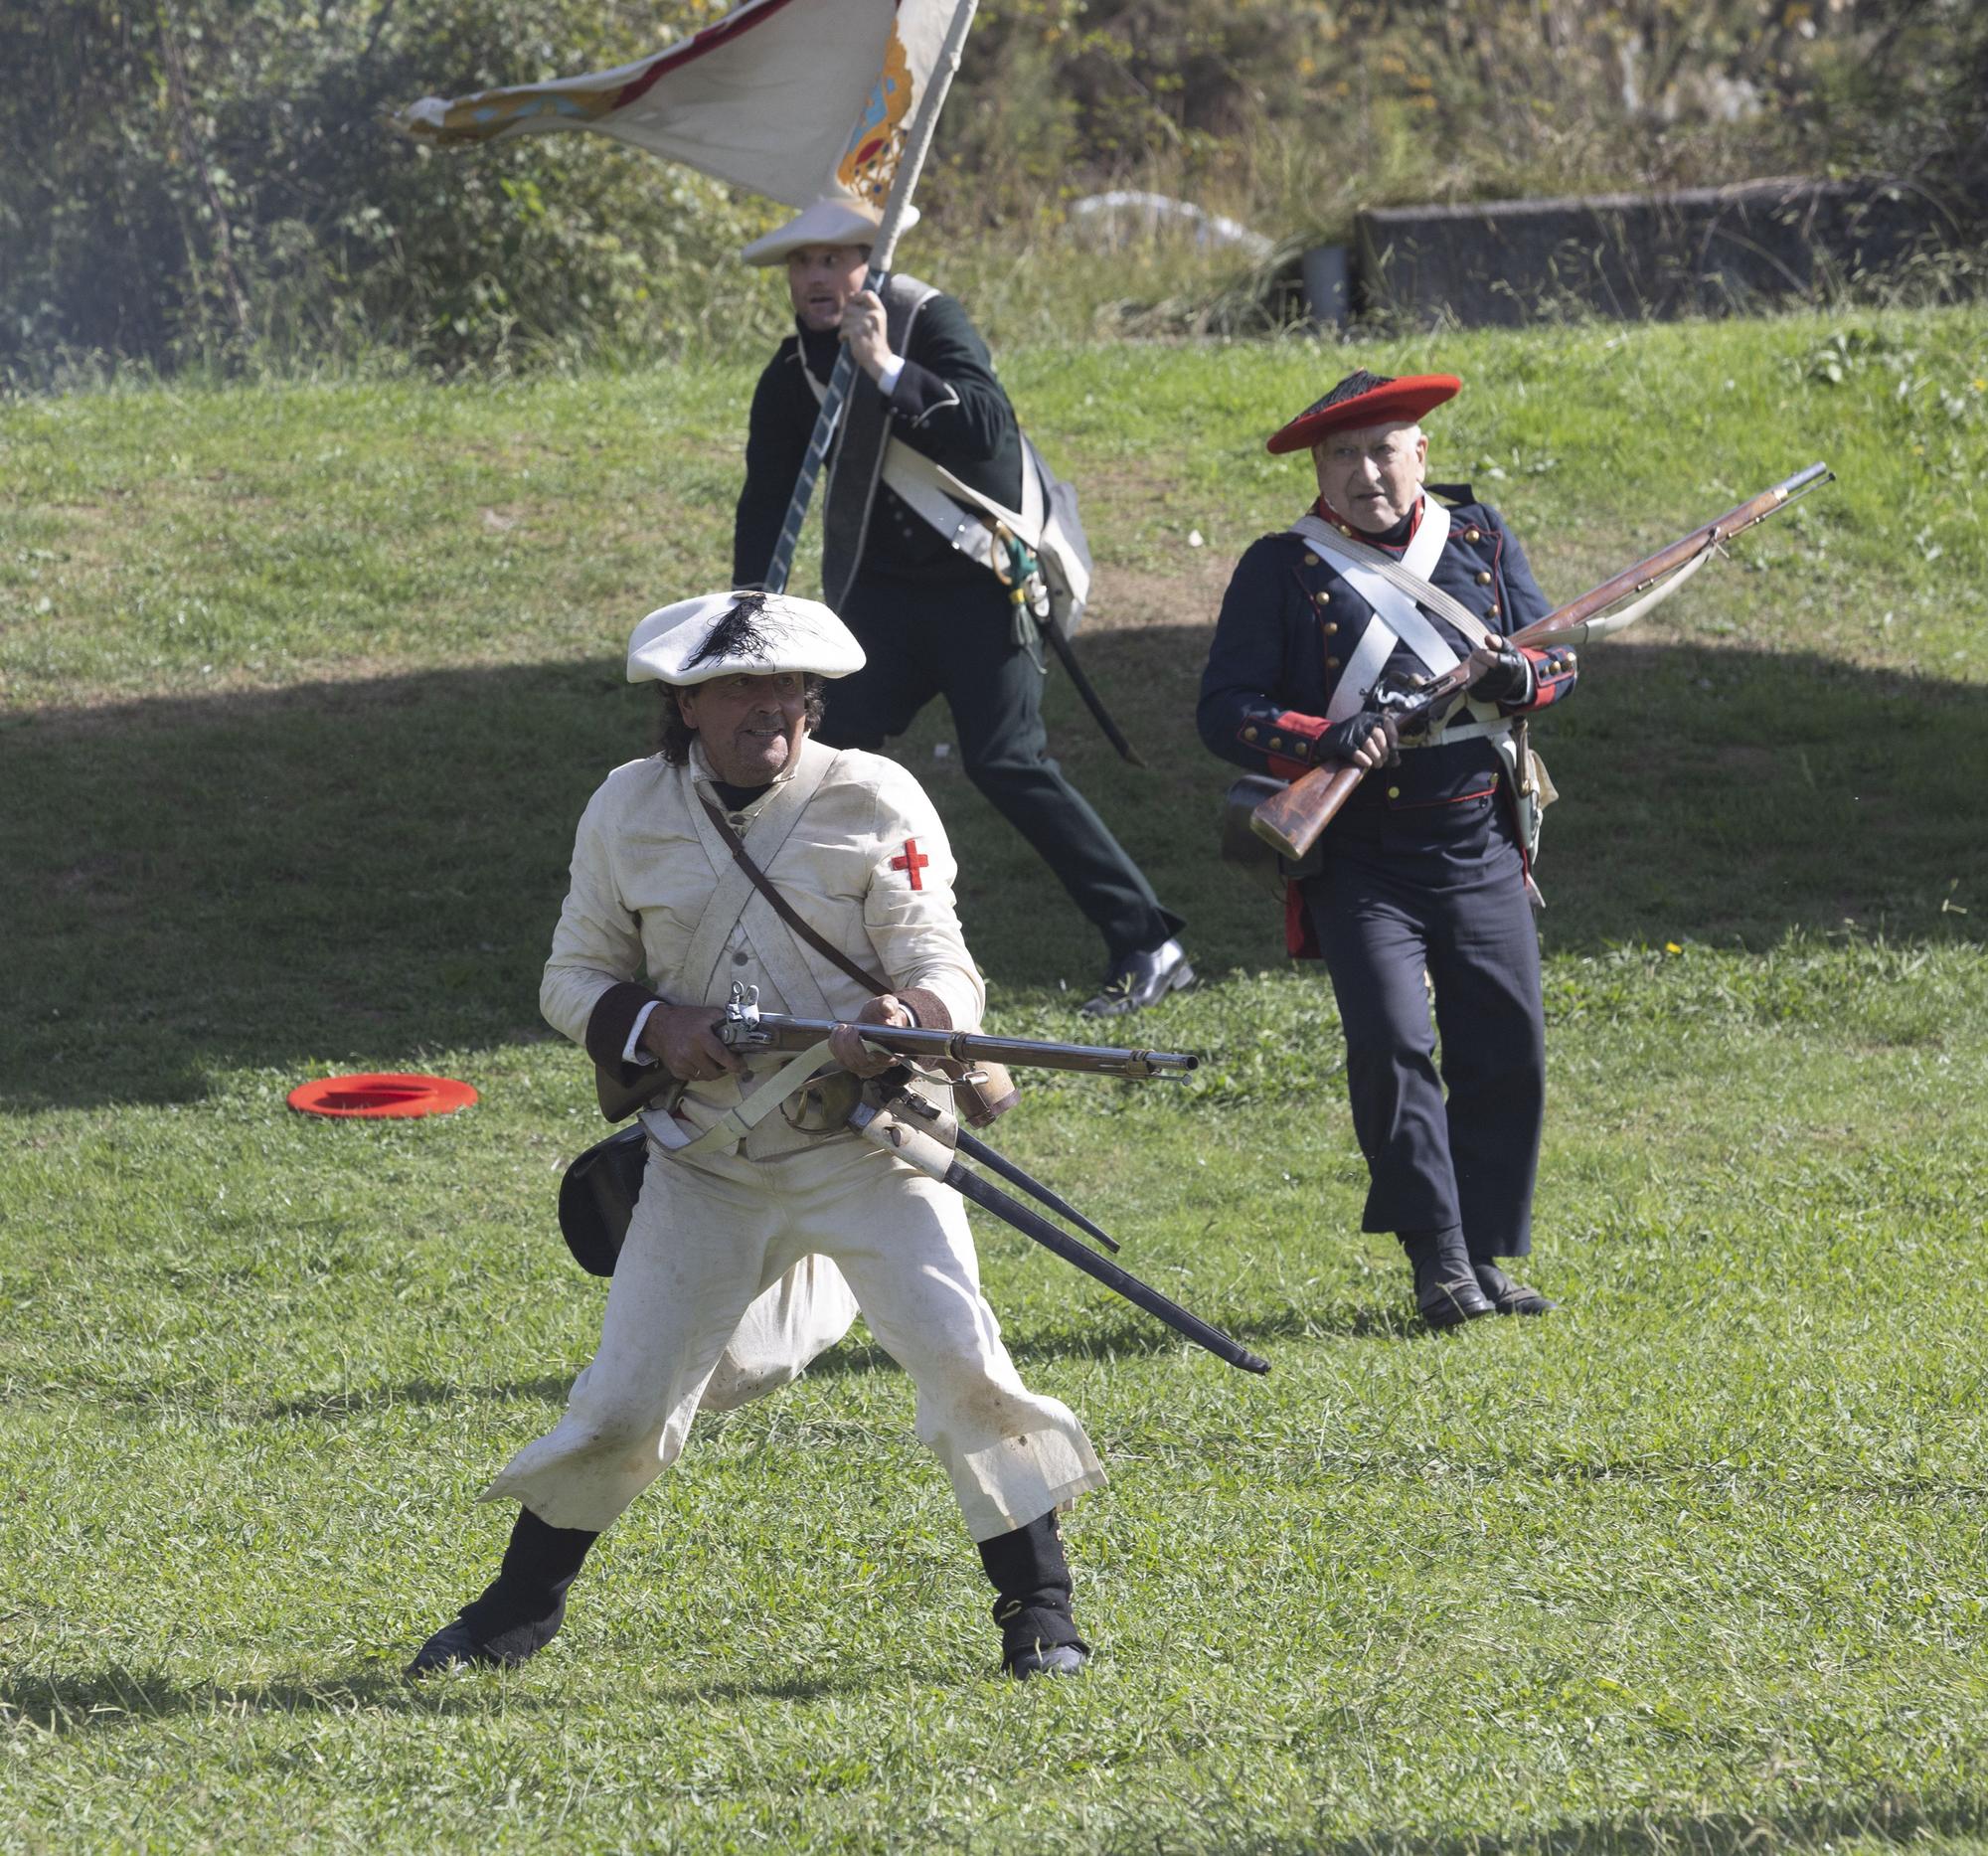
970	1185
1066	651
999	1162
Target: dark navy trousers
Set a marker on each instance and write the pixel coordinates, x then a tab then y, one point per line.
1437	891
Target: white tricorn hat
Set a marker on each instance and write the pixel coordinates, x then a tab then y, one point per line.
840	219
722	635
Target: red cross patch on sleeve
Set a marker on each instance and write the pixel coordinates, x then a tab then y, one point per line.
913	860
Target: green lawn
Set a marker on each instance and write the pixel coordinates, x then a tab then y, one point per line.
301	689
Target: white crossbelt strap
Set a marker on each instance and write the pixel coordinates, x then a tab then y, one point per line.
1356	682
1407	587
1392	601
735	1123
936	494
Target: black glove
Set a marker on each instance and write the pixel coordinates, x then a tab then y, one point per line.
1509	680
1344	738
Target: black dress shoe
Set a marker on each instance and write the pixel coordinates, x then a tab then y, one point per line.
1449	1301
1507	1297
460	1643
1447	1294
1140	980
1047	1659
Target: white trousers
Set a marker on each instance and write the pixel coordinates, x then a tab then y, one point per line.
709	1240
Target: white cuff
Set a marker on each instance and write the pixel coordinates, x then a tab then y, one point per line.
630	1053
888	375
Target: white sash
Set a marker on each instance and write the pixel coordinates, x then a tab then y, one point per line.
1387	600
936	494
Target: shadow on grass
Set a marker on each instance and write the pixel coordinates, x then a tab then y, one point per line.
351	875
1132	1337
119	1698
417	1392
108	1699
1885	1818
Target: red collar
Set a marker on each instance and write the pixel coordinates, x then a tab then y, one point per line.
1326	513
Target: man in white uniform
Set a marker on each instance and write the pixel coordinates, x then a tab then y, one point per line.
745	1216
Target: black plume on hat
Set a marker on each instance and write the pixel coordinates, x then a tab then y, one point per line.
737	634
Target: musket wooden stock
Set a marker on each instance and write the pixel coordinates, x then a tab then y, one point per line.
1292	819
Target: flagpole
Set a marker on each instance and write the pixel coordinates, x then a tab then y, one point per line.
916	142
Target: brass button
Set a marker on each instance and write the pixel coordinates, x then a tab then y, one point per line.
1322	598
1330	626
1276	741
1473	535
1485	576
1393	792
1312	560
1494	609
1344	530
1332	663
1248	735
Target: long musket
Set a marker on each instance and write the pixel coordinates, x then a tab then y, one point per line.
843	375
1292	819
924	1137
744	1027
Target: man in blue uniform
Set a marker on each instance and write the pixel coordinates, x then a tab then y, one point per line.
1423	883
906	566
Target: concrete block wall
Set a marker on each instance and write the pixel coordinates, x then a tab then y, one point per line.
1705	251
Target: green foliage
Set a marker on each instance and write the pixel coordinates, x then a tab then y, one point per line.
213	182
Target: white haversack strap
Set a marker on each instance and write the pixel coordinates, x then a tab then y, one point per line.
735	1123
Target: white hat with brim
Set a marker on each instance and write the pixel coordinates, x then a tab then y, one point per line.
777	634
840	220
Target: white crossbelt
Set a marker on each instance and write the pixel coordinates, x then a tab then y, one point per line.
1396	591
735	1123
936	494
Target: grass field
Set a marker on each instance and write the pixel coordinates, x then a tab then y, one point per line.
300	693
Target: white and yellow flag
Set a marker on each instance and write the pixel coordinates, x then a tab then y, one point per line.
765	97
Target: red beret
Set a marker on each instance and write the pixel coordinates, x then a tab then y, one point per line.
1364	399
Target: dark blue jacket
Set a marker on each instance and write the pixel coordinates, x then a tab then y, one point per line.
1289	624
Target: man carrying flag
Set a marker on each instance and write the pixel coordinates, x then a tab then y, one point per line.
764	98
911	569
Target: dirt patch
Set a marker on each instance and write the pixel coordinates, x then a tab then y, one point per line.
1123	599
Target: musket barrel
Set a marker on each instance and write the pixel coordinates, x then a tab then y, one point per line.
776	1030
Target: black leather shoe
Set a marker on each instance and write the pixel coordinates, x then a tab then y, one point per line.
1140	980
1047	1659
1447	1294
1507	1297
459	1644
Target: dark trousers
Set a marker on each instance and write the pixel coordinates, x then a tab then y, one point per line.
1399	896
954	640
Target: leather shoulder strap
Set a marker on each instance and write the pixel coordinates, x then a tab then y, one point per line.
782	908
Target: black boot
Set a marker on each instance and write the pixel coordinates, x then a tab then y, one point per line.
520	1611
1447	1288
1028	1571
1507	1297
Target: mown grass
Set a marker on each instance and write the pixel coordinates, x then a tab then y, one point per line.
303	690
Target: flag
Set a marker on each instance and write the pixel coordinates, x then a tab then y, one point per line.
796	99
